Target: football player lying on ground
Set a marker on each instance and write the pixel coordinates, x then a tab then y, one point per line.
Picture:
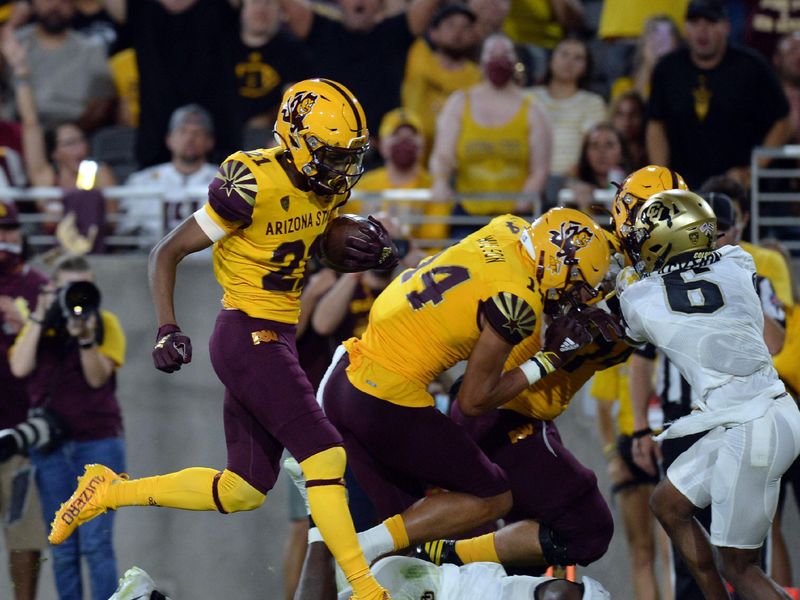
474	301
699	306
414	579
265	214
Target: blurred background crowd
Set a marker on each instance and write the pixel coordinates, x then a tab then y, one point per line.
118	110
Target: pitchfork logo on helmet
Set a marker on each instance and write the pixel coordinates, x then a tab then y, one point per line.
570	237
569	253
295	109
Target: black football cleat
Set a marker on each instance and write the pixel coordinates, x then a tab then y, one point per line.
438	552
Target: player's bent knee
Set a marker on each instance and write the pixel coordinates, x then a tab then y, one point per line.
234	494
328	465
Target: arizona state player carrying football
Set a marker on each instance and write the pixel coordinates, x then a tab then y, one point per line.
474	301
265	211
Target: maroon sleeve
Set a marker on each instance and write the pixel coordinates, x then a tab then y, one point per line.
510	316
232	193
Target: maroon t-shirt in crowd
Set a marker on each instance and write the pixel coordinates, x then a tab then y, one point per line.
58	383
23	287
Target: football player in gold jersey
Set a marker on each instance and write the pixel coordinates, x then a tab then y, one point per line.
266	210
476	301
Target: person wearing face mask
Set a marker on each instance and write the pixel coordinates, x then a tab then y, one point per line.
19	289
402	147
439	64
491	138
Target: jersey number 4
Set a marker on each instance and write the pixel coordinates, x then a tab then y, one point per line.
435	282
695	296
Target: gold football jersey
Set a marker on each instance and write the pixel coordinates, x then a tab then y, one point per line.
427	319
272	229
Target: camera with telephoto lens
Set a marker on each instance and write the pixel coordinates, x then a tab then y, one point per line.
43	431
79	299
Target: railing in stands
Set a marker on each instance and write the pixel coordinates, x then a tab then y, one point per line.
775	195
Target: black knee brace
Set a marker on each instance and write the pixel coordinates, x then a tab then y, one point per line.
554	550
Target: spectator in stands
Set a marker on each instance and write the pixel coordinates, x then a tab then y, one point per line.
660	37
68	73
491	138
603	160
402	147
71	362
491	15
363	48
787	64
57	157
627	115
265	60
701	123
570	108
180	48
23	529
190	140
440	64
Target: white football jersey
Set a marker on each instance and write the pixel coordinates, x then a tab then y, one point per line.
409	578
709	322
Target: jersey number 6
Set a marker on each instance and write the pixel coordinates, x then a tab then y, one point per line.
696	296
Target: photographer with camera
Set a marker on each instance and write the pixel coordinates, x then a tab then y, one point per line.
23	528
70	349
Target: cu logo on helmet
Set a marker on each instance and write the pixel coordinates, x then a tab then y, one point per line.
658	212
570	238
295	110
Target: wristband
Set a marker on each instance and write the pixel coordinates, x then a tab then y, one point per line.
640	433
33	319
86	344
537	367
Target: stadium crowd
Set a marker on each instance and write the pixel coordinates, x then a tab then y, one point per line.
115	114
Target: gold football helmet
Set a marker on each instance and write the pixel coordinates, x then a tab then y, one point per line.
323	127
672	226
638	187
570	253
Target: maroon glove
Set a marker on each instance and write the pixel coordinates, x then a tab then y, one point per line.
172	350
376	252
564	336
596	320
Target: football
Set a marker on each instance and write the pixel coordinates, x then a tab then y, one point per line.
334	240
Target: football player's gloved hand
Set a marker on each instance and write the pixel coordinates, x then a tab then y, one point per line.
596	320
376	252
564	336
172	349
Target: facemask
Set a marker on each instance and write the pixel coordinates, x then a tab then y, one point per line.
499	71
10	257
404	154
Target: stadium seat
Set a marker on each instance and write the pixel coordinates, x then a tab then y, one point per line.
116	146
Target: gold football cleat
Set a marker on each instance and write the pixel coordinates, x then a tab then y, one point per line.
87	502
